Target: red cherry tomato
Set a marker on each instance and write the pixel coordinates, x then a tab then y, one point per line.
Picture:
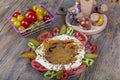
16	14
44	35
55	30
25	23
31	11
32	17
28	52
81	36
37	66
77	70
46	17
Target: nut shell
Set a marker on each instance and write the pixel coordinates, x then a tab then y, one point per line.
104	7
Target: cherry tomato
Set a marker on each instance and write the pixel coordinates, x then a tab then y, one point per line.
46	17
21	28
32	17
40	10
16	24
20	17
44	35
13	19
16	14
45	12
25	23
39	17
30	11
37	66
77	70
82	37
27	13
35	7
55	30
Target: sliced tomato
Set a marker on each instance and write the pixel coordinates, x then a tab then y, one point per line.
37	66
44	35
81	36
77	70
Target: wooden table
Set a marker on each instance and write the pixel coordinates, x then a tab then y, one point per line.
106	66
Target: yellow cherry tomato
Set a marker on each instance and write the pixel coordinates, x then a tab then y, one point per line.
20	17
13	19
27	14
17	24
39	11
45	12
35	7
21	28
39	17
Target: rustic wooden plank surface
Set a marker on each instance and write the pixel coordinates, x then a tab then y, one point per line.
106	67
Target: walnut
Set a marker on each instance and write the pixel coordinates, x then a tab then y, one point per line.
104	7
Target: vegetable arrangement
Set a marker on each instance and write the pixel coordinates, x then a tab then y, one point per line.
62	74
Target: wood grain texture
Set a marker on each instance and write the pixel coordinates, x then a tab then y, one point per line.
106	66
